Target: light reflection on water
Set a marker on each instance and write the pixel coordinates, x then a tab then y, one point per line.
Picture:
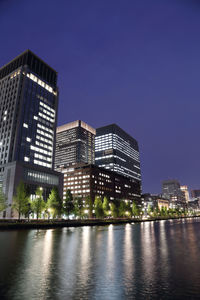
151	260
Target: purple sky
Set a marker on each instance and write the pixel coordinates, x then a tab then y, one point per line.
134	63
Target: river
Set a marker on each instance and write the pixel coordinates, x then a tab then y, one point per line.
150	260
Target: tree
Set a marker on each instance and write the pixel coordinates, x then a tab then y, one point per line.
122	209
98	207
38	204
68	205
114	210
156	211
163	211
20	200
128	209
106	206
3	199
178	212
89	205
171	212
135	210
150	210
78	207
54	203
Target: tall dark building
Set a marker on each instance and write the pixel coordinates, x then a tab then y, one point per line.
117	151
28	118
75	143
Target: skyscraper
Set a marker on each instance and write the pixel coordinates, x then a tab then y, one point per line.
75	143
117	151
28	118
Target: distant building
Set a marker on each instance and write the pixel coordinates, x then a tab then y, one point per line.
117	151
154	201
195	193
194	204
171	190
28	117
185	192
91	180
75	143
162	203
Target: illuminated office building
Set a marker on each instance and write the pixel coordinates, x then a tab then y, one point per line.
28	118
117	151
185	192
85	180
75	143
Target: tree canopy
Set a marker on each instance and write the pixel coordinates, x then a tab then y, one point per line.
68	205
3	199
98	207
54	203
20	201
38	204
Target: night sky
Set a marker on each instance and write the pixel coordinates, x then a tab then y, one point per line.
135	63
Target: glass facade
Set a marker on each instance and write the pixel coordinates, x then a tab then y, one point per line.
37	123
28	108
117	151
74	144
40	177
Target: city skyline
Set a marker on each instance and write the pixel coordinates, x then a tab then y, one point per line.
117	66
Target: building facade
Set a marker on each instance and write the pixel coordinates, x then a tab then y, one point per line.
185	192
28	117
75	143
117	151
91	180
171	189
154	201
195	193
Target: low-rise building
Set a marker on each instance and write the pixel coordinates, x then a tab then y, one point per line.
162	203
32	176
154	201
85	180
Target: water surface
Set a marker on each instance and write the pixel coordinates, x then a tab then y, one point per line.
151	260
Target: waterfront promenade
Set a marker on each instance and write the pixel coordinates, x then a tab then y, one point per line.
45	224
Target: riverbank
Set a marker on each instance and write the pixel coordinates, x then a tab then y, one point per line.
46	224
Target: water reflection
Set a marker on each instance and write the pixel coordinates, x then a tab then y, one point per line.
85	254
152	260
46	255
148	245
128	261
110	252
